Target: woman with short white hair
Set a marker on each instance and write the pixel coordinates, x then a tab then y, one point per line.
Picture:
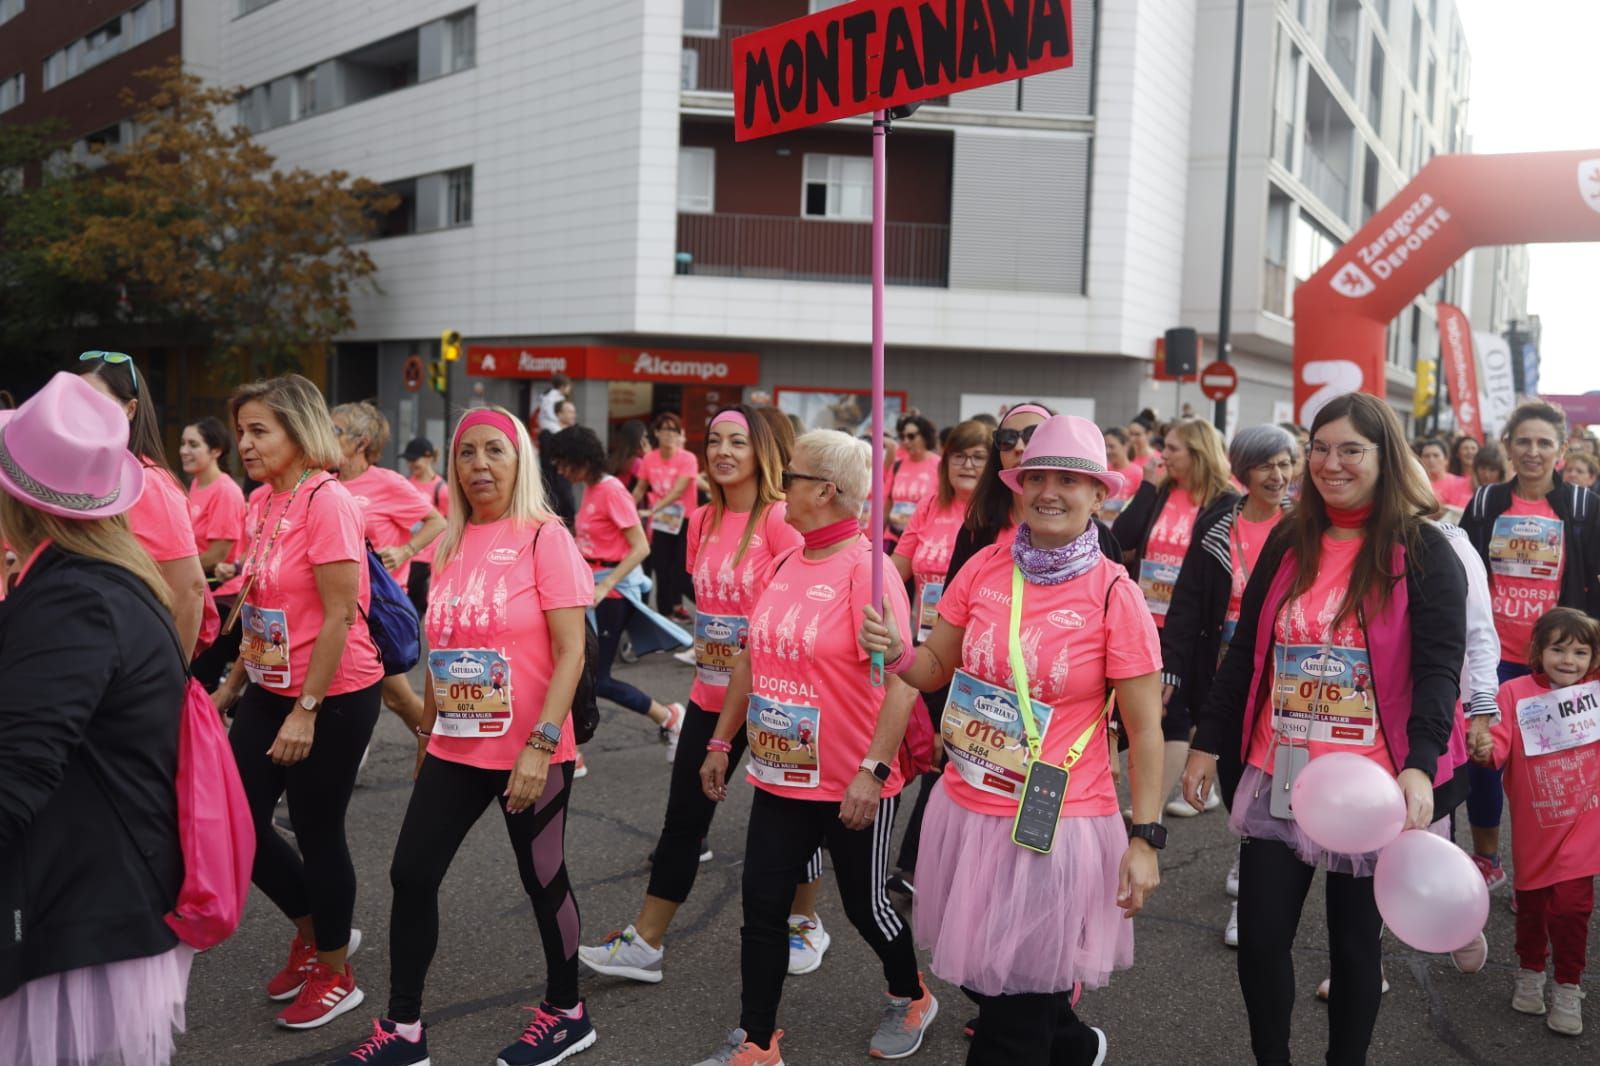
823	742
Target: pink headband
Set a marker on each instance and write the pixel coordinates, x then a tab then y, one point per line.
1026	408
484	416
733	416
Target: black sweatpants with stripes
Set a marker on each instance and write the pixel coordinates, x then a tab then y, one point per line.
783	835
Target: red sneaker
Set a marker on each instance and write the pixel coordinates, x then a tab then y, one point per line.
323	997
287	981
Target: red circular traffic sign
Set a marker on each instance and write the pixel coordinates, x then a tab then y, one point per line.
1218	381
414	371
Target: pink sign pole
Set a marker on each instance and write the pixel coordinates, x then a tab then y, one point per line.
880	166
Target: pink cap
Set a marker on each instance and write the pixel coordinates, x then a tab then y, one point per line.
65	452
1069	443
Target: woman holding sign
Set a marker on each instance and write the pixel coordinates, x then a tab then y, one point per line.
1540	540
314	676
505	626
1354	583
666	493
1024	862
803	666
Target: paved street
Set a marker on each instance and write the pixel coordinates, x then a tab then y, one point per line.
1179	1004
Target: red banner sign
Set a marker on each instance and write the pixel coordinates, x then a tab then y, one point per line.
1460	369
610	363
877	54
484	361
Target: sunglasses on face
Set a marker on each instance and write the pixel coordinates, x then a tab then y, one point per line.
790	477
112	357
1008	439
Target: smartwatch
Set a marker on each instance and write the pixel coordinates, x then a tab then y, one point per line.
877	769
309	702
548	731
1152	833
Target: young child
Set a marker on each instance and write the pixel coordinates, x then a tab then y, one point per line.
1549	749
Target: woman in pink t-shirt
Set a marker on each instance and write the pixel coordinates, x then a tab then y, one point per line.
1331	655
216	503
1052	617
1453	490
505	630
733	541
306	684
914	477
160	520
823	749
1132	473
666	492
398	522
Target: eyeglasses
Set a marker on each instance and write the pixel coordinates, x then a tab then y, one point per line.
1008	439
790	477
113	357
1349	454
973	459
1282	466
913	435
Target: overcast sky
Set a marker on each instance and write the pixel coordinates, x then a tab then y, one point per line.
1533	89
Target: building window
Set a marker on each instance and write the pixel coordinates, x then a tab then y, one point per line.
697	189
458	189
462	38
1313	246
428	203
1416	48
128	30
702	18
10	9
11	90
837	187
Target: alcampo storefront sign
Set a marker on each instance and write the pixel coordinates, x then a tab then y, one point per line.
614	363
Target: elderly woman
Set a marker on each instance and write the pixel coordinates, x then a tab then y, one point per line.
1019	906
89	853
1358	582
823	743
506	629
306	684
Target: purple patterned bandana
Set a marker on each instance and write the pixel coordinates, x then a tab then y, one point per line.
1052	566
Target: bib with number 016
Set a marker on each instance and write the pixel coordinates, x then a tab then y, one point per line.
1560	720
783	742
718	643
1324	694
264	646
984	735
1156	581
928	609
668	519
1526	546
472	690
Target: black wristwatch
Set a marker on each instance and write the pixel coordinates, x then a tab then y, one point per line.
1152	833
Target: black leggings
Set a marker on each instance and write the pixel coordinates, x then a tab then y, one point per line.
1030	1029
611	617
1272	889
668	566
210	667
417	587
782	837
689	812
318	879
911	842
448	799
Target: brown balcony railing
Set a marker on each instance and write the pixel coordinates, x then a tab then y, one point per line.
804	249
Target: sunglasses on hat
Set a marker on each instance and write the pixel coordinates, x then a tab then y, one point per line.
1008	439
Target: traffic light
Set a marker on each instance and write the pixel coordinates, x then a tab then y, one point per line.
450	345
439	375
1427	385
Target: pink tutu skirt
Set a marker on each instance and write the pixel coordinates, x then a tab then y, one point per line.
119	1014
1252	817
1000	919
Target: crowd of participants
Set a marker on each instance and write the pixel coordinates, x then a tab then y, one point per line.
1062	599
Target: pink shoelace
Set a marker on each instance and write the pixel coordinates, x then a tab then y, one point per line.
370	1047
539	1028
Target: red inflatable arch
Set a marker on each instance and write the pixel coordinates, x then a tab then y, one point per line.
1454	204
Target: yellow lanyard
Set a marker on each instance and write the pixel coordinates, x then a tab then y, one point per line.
1019	677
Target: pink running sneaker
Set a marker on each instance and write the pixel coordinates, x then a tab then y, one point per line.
1494	875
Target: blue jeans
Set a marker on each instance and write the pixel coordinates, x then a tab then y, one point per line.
1485	797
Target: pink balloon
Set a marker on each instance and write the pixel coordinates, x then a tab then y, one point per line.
1429	892
1348	803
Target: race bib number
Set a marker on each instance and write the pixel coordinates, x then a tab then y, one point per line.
900	512
928	608
1111	508
472	690
1560	720
1526	546
783	743
264	646
984	735
1325	694
719	640
668	519
1156	581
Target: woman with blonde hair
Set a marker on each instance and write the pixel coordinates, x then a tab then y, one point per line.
306	684
89	715
505	626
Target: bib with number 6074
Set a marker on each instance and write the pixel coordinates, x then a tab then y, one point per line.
472	690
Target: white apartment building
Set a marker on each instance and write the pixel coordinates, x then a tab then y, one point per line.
573	196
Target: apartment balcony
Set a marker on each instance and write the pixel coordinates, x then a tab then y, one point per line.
1274	288
708	61
806	249
1341	55
1325	183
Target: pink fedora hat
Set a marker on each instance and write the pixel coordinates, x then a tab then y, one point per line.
65	452
1065	442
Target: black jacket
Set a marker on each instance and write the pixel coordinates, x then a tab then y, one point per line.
1133	525
1436	591
1579	511
91	693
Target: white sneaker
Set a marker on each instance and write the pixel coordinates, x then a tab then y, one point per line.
686	656
580	769
1230	884
673	729
1230	934
807	943
1179	808
1566	1010
1528	998
625	954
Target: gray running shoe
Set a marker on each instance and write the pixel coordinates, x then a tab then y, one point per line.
904	1021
